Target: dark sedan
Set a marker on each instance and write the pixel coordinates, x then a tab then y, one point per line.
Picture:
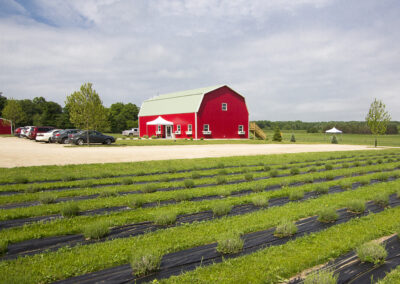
62	136
80	138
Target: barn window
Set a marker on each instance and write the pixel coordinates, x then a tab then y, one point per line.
240	128
189	127
178	127
224	106
159	128
206	127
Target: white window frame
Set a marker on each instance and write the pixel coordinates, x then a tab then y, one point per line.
206	129
178	129
189	129
241	130
224	106
158	129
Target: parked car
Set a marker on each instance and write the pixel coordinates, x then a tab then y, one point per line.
38	129
46	137
80	138
17	131
131	132
62	136
25	131
53	135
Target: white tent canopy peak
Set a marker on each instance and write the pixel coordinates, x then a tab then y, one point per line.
333	130
159	121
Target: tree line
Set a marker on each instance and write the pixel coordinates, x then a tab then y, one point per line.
352	127
40	112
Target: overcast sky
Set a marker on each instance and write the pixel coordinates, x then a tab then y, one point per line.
310	60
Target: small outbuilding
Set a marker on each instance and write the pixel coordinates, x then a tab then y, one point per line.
334	130
5	126
214	112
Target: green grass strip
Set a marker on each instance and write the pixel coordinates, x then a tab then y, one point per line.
67	262
393	277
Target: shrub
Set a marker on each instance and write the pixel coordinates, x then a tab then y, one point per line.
140	173
165	219
195	175
153	137
201	138
248	177
220	165
330	177
127	181
308	179
312	169
225	192
86	183
356	164
68	178
181	196
285	229
136	202
188	183
327	215
96	230
106	175
294	171
379	161
232	244
222	172
3	246
70	209
165	179
47	198
171	170
277	135
383	177
258	188
19	179
381	199
143	264
260	201
293	139
364	181
321	277
274	173
322	189
345	166
356	206
108	193
146	136
369	162
149	188
267	168
334	140
221	180
284	167
221	209
33	189
372	252
346	184
296	195
328	167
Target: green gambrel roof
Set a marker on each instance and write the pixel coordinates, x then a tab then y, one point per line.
180	102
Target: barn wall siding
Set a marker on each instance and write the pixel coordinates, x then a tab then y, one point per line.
5	127
181	118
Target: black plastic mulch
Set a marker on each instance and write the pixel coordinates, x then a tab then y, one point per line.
35	246
350	269
186	260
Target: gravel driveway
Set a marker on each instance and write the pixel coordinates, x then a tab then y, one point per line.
15	152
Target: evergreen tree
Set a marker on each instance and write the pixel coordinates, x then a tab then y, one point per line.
277	135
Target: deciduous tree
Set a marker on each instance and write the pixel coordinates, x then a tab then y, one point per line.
86	109
377	119
13	111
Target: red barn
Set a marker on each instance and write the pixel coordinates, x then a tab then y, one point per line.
213	112
5	126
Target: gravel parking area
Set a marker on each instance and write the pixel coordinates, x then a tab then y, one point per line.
15	152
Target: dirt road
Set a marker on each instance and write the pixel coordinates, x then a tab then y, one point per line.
15	152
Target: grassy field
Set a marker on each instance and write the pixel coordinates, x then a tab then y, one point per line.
115	214
301	137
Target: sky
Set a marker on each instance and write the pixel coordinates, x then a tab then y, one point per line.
310	60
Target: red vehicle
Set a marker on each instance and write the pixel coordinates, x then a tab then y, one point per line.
38	129
17	131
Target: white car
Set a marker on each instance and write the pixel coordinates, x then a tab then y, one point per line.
45	137
131	132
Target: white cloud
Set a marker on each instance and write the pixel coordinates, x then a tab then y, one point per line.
287	67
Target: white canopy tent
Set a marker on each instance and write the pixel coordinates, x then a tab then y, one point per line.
161	121
334	130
